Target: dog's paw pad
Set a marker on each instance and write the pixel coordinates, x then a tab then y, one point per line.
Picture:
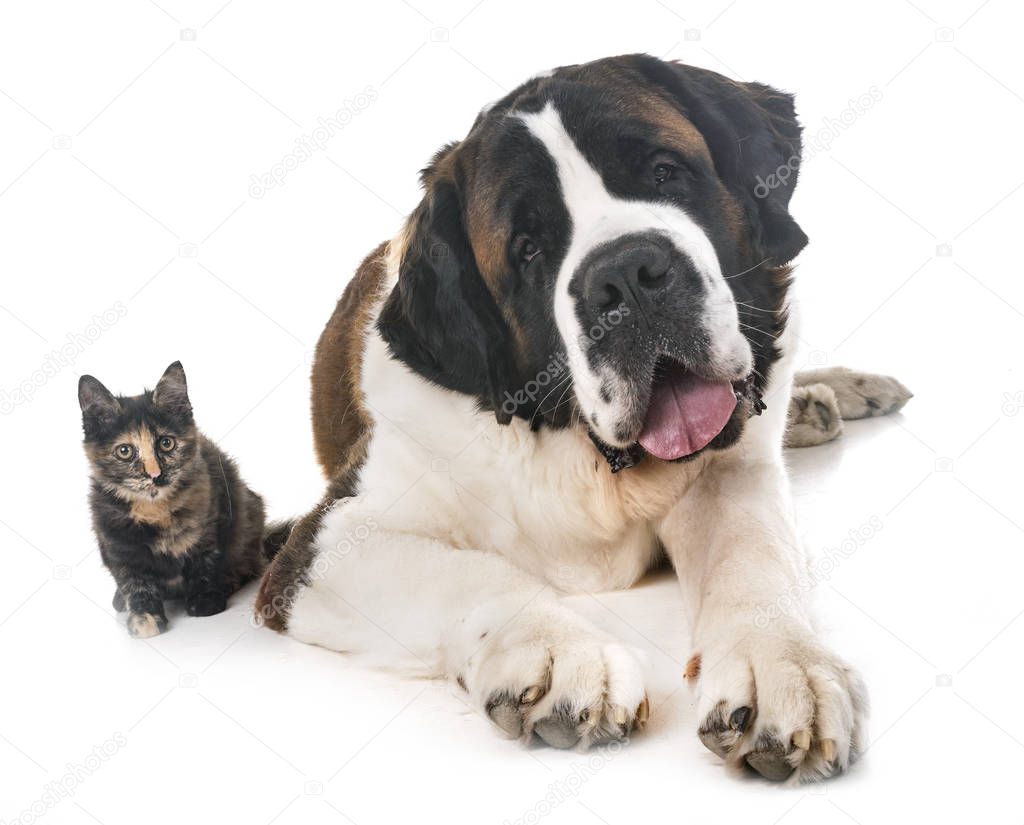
814	416
773	758
575	690
786	707
723	729
563	727
507	711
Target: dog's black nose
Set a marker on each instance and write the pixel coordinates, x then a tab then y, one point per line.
626	273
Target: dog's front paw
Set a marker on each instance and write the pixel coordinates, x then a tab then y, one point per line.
556	676
781	703
146	625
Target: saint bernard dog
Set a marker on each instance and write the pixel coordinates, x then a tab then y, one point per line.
573	363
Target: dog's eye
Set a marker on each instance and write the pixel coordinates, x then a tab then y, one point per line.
166	444
672	175
525	249
125	452
664	172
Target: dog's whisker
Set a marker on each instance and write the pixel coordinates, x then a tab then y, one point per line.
745	271
759	331
756	309
562	397
536	412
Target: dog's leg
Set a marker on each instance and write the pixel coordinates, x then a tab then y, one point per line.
822	398
346	582
771	695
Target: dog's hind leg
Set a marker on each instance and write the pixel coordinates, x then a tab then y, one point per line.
823	398
858	394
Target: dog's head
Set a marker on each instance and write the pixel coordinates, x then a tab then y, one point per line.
603	246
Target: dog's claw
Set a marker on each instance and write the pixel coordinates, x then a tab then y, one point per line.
531	695
643	712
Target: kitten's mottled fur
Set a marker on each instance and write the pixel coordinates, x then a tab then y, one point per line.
171	514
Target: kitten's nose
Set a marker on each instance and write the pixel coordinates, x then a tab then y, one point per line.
154	474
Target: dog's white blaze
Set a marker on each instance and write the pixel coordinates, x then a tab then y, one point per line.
598	217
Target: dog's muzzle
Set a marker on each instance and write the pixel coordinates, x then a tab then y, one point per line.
748	400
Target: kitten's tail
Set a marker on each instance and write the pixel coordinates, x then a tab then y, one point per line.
275	534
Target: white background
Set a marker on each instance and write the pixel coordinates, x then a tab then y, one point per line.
126	163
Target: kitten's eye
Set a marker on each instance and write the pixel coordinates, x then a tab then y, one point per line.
166	444
525	249
125	452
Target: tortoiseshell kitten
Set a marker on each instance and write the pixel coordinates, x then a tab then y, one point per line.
172	517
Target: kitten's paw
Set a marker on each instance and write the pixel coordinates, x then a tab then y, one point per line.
146	625
118	601
206	604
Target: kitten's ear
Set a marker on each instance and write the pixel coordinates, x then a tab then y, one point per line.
171	391
92	395
99	407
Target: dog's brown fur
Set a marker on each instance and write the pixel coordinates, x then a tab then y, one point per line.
339	413
290	568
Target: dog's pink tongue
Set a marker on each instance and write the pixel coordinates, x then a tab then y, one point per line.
685	414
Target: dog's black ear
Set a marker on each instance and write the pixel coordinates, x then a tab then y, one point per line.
441	320
754	138
99	406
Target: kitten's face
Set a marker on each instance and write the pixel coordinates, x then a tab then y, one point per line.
140	446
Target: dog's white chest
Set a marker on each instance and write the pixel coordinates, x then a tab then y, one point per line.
546	500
